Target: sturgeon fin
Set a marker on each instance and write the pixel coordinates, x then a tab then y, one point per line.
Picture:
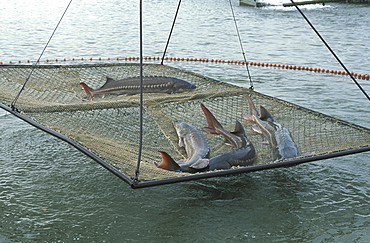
213	124
248	117
257	129
200	164
265	115
89	91
109	79
239	130
251	107
107	83
167	163
181	142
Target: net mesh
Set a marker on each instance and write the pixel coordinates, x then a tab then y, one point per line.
109	127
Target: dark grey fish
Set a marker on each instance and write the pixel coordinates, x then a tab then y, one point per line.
277	136
243	153
130	86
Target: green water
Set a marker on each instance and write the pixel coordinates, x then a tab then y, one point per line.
50	192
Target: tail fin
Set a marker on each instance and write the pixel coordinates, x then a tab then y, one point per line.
167	163
213	125
239	129
89	91
252	110
265	115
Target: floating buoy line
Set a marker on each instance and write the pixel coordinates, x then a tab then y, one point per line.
192	59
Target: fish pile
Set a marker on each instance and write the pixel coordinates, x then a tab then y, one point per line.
131	86
243	152
278	137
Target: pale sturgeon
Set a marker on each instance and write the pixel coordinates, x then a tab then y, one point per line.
196	147
276	134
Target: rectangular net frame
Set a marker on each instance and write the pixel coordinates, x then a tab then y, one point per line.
107	129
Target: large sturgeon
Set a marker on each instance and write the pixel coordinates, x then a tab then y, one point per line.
130	86
196	147
277	136
243	153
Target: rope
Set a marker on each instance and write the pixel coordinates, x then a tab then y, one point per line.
169	36
241	45
332	52
221	61
137	171
42	53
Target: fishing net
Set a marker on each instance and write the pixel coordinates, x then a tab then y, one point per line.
108	128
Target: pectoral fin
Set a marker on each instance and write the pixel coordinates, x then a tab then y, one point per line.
257	129
181	142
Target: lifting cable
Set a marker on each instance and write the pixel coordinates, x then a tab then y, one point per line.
241	46
169	36
332	52
137	171
42	53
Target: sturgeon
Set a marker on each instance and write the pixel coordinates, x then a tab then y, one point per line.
276	134
131	86
243	152
196	147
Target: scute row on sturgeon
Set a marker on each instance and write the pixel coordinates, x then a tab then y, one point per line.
130	86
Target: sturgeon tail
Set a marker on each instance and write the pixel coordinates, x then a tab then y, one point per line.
214	127
167	163
89	91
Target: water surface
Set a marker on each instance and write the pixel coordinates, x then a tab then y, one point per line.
49	192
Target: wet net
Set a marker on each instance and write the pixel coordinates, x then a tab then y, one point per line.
107	129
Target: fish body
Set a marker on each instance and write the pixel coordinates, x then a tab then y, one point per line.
243	152
238	157
195	144
276	135
196	147
131	86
